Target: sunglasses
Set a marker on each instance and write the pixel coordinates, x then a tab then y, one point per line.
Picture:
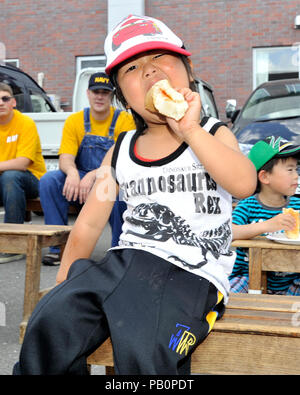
5	99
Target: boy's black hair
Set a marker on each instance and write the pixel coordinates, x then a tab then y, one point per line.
139	121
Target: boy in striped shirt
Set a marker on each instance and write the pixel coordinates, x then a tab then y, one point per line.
275	160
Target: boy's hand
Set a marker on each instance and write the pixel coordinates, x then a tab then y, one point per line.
191	119
280	222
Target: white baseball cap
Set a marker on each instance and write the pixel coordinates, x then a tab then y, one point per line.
136	34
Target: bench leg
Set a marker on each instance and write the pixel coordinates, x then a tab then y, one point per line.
255	267
109	370
32	276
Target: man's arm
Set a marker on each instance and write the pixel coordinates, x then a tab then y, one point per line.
68	166
92	219
20	163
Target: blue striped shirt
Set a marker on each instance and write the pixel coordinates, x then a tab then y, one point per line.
249	211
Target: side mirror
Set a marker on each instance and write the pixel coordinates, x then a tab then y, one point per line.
230	108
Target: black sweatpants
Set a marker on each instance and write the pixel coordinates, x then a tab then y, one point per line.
155	312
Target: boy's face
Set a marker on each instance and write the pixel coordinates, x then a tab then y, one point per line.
284	177
137	75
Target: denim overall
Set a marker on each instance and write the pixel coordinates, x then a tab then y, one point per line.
89	157
93	148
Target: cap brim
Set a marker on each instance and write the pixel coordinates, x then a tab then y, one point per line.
291	150
145	47
94	88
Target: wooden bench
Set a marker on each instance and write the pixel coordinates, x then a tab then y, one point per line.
35	206
258	334
29	240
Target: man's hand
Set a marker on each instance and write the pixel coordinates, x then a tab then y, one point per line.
86	185
71	187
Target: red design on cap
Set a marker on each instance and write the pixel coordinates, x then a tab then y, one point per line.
133	28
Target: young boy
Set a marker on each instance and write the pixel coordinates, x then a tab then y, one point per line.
159	292
275	160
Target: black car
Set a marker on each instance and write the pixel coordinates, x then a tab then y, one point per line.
272	109
29	95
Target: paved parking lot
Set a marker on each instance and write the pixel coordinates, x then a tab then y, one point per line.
11	299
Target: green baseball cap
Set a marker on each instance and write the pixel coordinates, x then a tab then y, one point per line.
265	150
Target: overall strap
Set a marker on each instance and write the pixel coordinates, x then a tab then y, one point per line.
87	121
113	123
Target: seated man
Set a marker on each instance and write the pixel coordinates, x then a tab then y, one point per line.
87	135
21	161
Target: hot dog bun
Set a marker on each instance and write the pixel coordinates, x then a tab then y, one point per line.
166	100
292	234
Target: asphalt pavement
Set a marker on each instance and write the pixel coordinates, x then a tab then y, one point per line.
12	277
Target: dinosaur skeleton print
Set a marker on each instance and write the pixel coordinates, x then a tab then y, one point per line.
176	210
156	222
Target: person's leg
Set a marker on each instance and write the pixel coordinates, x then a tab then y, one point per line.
239	284
294	288
55	207
158	315
68	323
185	324
15	187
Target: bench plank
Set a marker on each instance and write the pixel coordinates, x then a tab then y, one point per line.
249	339
35	205
233	353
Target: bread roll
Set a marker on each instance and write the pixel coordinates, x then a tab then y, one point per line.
166	100
292	234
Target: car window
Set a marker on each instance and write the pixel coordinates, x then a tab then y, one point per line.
20	99
39	103
279	102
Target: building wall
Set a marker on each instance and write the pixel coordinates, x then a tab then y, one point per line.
221	35
47	37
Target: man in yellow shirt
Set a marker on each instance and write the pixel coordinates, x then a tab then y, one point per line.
21	161
87	135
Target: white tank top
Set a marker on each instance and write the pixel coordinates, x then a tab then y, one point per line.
175	210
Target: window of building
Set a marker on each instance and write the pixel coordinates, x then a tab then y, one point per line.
83	62
275	63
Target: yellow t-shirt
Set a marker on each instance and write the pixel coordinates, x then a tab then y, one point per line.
73	131
20	137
